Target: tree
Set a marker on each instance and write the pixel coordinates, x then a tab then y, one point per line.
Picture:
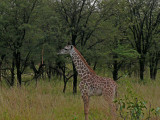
16	29
143	18
81	18
154	57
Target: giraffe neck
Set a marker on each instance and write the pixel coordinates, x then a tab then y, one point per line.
83	69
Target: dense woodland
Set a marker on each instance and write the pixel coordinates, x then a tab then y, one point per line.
121	36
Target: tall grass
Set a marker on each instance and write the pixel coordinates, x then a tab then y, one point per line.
47	102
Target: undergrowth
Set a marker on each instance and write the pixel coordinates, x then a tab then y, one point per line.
46	101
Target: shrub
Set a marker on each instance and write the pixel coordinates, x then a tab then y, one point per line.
131	107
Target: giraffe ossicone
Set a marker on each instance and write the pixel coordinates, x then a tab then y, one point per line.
91	84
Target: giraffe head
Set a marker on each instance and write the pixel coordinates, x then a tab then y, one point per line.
66	50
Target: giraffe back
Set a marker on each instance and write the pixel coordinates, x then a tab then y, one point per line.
97	85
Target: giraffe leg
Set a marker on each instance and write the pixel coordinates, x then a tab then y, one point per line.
86	105
112	107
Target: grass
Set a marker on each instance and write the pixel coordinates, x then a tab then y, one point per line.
47	102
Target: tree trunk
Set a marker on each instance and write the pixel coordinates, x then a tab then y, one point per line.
12	72
95	64
49	72
0	73
74	79
141	65
18	63
64	88
74	36
153	65
152	69
153	73
115	70
64	78
2	57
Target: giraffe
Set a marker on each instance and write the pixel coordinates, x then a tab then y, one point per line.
91	84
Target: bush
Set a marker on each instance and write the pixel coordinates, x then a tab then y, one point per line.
131	107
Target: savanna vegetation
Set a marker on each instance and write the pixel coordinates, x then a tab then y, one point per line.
118	38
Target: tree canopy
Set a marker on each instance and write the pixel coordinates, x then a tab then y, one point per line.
115	35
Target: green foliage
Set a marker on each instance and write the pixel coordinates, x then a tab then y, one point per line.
155	111
131	107
75	118
125	52
100	29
